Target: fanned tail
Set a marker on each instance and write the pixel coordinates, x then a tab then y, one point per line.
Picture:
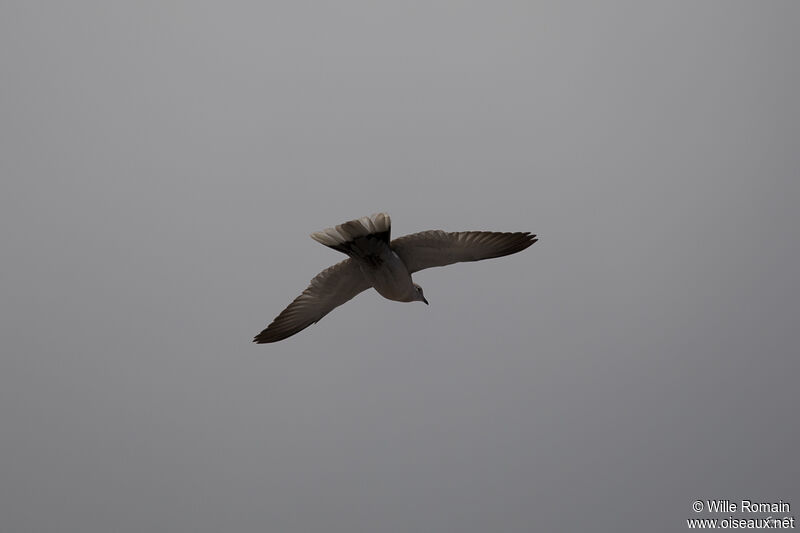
364	238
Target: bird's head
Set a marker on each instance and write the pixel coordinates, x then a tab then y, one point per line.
418	295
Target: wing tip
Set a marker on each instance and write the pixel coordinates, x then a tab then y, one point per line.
261	338
526	239
273	335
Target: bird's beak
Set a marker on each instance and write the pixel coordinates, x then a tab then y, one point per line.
426	301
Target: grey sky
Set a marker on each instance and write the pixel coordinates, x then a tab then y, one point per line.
161	167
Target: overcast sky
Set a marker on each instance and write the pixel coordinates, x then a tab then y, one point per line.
161	167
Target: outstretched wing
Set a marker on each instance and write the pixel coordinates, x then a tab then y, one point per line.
438	248
329	289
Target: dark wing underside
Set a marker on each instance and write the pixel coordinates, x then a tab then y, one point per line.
438	248
329	289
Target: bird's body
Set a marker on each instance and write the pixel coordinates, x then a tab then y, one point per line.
375	261
391	279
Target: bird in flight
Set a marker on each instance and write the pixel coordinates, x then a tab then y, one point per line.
376	261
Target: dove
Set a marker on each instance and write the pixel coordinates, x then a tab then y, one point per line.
376	261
